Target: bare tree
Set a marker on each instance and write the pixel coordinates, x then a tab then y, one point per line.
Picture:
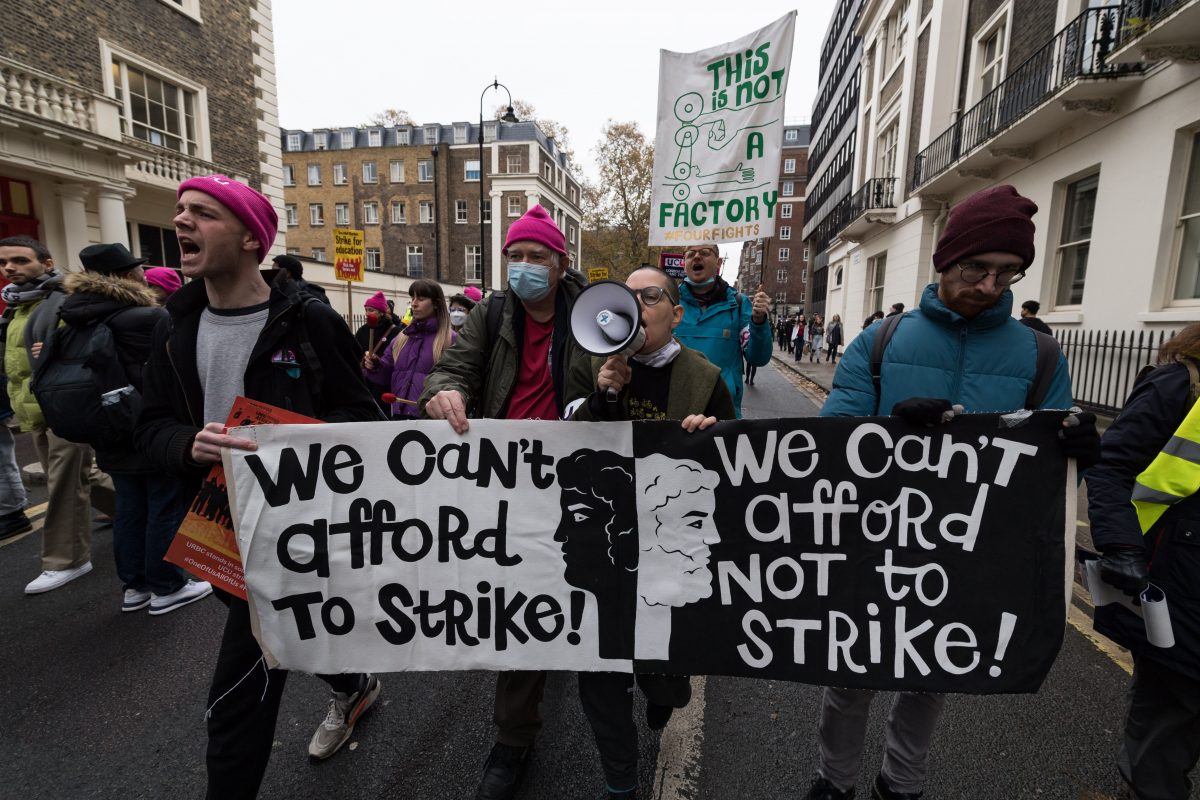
390	117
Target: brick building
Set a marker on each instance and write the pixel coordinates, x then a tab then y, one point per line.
414	192
106	107
780	262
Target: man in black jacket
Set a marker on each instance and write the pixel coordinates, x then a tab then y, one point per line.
229	333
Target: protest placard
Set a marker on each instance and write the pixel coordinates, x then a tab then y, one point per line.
848	552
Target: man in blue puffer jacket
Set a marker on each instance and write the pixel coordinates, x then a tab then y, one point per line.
959	347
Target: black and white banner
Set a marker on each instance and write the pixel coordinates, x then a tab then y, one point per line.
848	552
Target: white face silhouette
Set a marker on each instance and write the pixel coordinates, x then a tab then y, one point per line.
676	503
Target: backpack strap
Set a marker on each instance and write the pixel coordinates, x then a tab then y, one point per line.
495	312
1043	376
315	370
880	343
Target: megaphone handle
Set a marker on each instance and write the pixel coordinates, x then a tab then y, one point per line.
612	395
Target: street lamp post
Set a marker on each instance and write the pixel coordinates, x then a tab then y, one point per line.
509	116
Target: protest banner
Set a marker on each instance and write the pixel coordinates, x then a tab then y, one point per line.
672	264
348	255
719	137
205	544
850	552
597	274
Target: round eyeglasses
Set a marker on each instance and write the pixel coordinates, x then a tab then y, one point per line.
974	272
651	295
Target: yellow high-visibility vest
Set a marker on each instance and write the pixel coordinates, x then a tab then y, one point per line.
1173	475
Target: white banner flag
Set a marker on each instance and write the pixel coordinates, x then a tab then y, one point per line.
720	131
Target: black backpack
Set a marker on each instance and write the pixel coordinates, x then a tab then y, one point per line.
82	389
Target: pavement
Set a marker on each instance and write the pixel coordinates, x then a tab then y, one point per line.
101	704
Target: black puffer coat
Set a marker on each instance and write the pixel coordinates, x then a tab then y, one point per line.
132	316
1151	415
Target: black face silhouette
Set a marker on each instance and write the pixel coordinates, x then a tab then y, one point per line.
598	533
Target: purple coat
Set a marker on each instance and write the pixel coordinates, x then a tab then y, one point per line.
408	370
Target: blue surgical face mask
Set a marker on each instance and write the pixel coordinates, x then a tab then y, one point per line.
700	284
529	282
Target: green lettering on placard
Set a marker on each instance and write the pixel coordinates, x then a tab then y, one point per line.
754	145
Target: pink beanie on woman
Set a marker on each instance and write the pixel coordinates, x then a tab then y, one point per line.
378	302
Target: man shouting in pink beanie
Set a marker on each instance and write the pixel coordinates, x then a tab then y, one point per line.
231	333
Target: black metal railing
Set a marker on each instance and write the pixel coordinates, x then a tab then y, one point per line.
875	193
1104	364
1079	50
1139	16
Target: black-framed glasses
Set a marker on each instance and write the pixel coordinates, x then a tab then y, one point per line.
974	272
651	295
701	253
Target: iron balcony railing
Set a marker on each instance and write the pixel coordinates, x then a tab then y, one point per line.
1139	16
875	193
1079	50
1105	364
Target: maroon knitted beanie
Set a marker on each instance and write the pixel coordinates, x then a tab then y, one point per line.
993	220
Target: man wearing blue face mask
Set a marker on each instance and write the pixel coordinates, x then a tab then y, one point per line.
516	359
714	316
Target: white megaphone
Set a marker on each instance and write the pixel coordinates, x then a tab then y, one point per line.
606	320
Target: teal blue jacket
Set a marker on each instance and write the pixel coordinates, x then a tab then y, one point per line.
716	331
986	364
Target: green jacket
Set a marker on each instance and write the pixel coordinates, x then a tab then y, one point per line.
696	388
487	388
23	326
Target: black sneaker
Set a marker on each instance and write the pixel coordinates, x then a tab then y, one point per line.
881	791
657	716
503	772
824	790
14	524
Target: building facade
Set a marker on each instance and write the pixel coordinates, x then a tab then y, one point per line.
106	108
1090	108
780	262
414	190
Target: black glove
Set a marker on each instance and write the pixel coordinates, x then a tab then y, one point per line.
926	411
1079	438
1125	568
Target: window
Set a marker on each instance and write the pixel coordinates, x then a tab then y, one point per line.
341	214
574	195
156	110
314	174
886	153
374	138
374	260
486	216
1075	240
347	140
489	130
398	214
289	175
403	136
316	214
781	276
781	297
293	142
785	232
426	211
791	135
876	275
460	212
460	134
989	58
549	173
837	275
474	264
789	166
784	254
513	163
514	206
1187	281
321	141
396	171
416	261
318	253
894	36
431	134
369	173
425	170
471	170
785	211
371	213
789	188
293	215
806	254
293	251
571	234
339	174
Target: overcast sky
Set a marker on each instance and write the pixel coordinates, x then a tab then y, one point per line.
578	64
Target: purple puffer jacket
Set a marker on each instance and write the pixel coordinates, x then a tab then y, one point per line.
408	370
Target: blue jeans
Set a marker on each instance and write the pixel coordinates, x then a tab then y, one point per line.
150	508
12	490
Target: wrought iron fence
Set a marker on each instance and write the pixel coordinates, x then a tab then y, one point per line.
1104	364
1139	16
1079	50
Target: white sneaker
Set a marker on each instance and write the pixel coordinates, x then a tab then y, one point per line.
135	600
344	712
53	578
190	593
